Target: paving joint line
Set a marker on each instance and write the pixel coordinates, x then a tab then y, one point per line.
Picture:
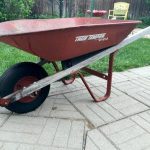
6	120
109	112
137	99
132	96
87	120
84	138
48	117
126	117
96	113
115	108
109	139
42	131
55	133
141	125
91	140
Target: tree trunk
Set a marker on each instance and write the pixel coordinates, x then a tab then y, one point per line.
60	8
52	2
64	9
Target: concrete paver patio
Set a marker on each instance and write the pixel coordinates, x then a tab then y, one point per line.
70	120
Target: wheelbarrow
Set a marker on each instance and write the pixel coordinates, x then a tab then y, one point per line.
75	42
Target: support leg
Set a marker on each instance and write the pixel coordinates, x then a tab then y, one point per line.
106	77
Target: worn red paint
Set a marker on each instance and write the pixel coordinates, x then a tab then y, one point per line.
61	39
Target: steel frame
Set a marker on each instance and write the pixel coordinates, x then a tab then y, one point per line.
48	80
108	78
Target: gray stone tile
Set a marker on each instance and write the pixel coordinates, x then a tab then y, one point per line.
3	118
78	95
49	131
104	115
126	134
62	133
111	110
66	114
143	121
133	109
3	110
18	137
119	77
123	103
100	141
54	133
116	127
1	144
139	96
148	148
145	83
21	128
129	74
138	143
90	145
118	105
9	146
94	81
63	107
39	147
76	135
27	120
127	86
26	147
129	134
143	71
90	114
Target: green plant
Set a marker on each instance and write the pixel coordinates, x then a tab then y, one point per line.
15	9
147	1
47	16
145	22
80	14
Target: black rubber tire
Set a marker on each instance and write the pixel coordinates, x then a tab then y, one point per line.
9	79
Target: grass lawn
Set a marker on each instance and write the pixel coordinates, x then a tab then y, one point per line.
134	55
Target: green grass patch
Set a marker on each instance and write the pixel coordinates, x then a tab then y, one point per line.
134	55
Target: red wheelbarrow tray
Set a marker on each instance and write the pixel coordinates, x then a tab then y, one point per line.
65	40
61	39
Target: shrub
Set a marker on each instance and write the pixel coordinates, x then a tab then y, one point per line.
145	20
44	16
15	9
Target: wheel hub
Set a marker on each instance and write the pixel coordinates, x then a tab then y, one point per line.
24	82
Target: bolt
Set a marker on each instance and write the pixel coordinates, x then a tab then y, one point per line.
6	103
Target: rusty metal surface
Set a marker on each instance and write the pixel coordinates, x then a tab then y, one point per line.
61	39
